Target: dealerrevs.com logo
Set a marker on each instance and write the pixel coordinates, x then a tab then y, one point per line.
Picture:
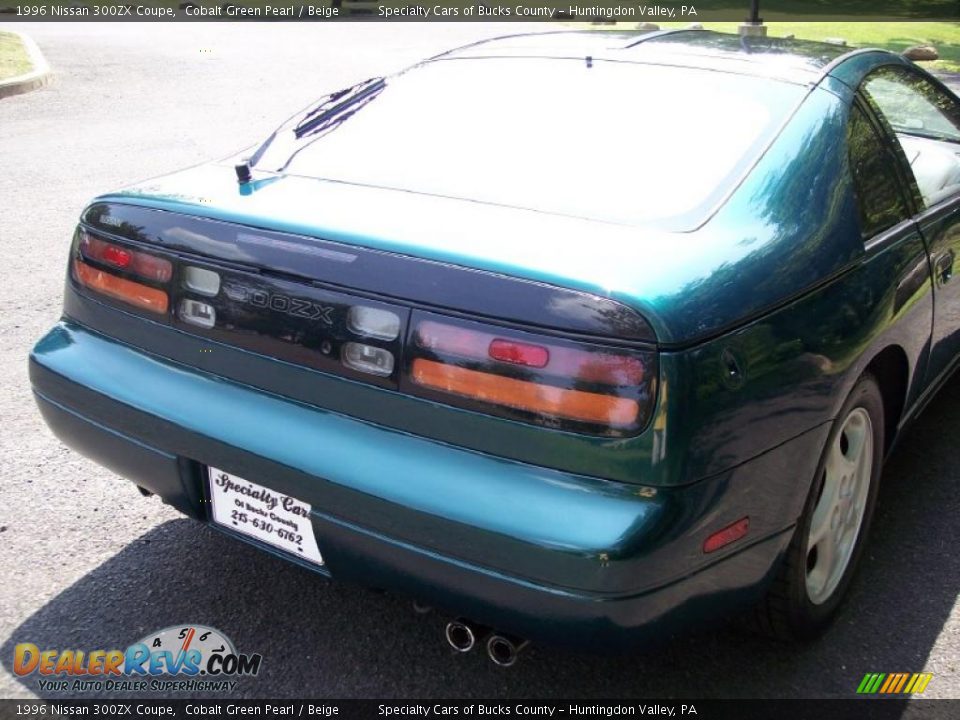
187	658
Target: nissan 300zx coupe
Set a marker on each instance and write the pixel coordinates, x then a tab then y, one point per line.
579	337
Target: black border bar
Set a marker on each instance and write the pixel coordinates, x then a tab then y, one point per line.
836	709
598	11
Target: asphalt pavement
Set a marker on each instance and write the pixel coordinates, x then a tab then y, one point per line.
86	562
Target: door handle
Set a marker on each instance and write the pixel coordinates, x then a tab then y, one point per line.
943	267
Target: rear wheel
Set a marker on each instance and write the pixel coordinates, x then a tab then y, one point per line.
826	547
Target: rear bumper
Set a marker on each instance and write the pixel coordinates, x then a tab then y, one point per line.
539	552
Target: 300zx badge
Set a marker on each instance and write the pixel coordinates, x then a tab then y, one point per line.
296	307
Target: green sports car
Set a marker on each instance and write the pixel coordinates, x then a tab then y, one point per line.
579	337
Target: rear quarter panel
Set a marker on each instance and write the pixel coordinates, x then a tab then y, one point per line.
809	305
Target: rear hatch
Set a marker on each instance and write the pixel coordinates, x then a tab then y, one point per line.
429	240
526	369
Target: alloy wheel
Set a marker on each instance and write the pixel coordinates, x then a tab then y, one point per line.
840	508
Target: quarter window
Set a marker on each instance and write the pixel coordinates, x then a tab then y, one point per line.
914	105
926	122
875	177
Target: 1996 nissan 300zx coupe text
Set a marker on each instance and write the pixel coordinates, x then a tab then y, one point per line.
575	335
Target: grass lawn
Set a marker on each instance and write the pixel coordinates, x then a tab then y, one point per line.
13	56
896	36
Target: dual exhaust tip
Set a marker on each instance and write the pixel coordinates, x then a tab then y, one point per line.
503	650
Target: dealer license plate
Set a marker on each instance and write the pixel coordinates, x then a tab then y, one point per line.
264	514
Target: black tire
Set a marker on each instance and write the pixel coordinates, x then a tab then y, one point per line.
787	612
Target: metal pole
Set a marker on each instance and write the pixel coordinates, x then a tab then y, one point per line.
753	26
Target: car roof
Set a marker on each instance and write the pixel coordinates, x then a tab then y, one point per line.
800	61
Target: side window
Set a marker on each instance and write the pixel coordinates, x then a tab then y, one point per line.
874	176
926	122
914	105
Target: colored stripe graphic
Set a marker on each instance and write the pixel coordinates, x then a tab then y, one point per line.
891	680
865	683
911	683
894	683
922	681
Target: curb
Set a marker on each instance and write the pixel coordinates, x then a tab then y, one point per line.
36	78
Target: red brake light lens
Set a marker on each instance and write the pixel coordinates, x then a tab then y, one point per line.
560	383
149	267
519	353
117	256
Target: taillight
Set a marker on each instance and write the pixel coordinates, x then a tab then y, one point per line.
116	271
602	388
136	294
565	384
149	267
519	353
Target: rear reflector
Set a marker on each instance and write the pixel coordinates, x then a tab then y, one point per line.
726	536
528	396
146	266
119	288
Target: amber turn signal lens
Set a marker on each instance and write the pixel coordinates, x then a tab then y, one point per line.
119	288
531	397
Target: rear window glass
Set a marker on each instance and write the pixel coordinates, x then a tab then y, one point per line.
615	141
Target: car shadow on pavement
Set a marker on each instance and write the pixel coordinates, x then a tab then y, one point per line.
323	639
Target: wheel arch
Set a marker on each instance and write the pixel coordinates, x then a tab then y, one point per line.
891	368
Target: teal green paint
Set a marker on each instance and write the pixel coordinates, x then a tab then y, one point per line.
685	293
412	472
